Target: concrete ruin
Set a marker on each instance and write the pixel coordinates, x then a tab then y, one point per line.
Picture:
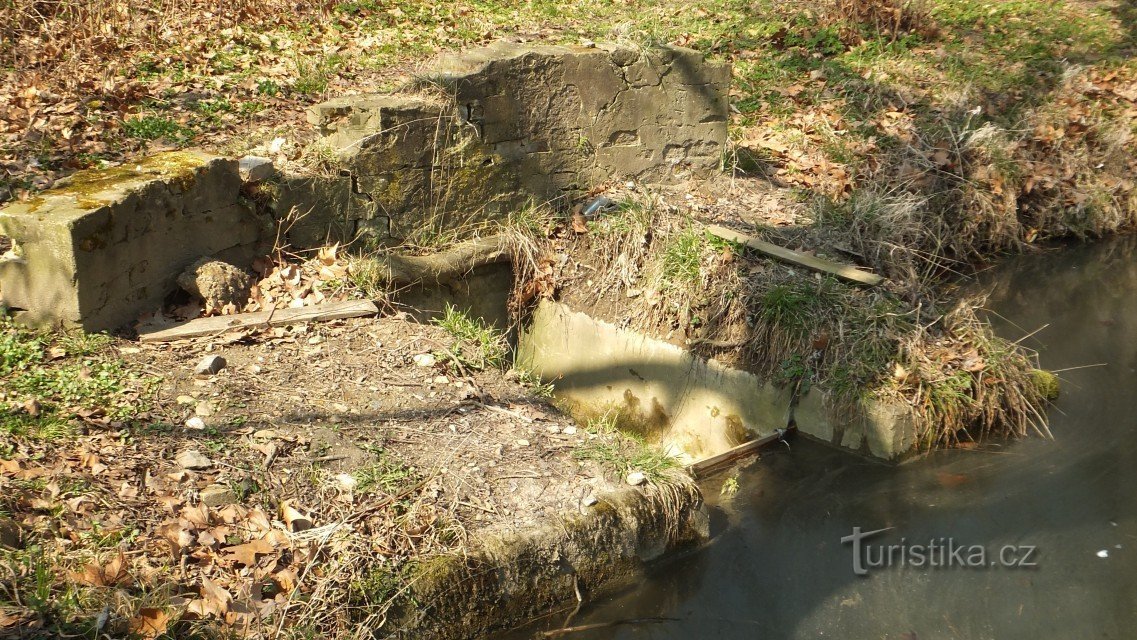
494	129
488	132
108	245
693	407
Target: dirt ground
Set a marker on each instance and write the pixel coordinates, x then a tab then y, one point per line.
329	461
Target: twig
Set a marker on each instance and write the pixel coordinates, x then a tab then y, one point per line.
602	625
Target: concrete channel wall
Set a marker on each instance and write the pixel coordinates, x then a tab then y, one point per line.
697	408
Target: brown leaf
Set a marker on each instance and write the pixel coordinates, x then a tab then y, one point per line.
112	574
216	598
177	534
247	553
197	516
294	519
578	223
149	623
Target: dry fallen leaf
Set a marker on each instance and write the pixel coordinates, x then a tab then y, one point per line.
112	574
295	520
149	623
578	223
247	553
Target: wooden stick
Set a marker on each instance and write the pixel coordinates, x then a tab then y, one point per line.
220	324
812	262
702	467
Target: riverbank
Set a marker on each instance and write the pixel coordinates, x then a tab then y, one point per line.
914	141
331	478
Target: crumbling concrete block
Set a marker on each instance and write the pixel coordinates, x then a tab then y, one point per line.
516	123
108	245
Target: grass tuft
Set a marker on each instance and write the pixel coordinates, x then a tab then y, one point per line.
476	344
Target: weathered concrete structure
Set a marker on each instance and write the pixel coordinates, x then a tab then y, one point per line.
504	125
495	129
695	407
109	245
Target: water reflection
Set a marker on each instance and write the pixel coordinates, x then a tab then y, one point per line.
780	571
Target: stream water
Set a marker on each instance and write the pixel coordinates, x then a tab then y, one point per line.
777	566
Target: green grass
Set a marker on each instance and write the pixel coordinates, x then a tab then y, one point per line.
386	475
622	451
797	305
535	384
314	74
152	127
49	376
682	258
476	344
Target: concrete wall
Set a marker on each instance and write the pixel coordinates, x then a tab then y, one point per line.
695	407
494	129
503	125
108	245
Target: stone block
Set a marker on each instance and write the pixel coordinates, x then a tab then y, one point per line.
108	245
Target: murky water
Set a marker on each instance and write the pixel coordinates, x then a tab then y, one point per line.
777	567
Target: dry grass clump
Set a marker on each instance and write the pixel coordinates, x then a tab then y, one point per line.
889	18
802	329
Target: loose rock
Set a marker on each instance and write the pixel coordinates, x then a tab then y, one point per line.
193	460
636	478
9	533
195	423
210	365
425	360
217	283
256	169
217	495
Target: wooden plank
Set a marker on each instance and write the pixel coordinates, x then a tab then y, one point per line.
216	325
707	465
812	262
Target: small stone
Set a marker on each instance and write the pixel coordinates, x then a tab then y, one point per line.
217	495
569	430
590	500
347	482
636	478
193	460
553	428
195	423
9	533
522	443
256	168
187	400
817	74
425	360
203	409
210	365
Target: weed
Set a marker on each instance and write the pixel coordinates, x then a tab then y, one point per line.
386	475
47	377
623	452
682	258
314	74
534	384
152	127
476	344
369	277
729	486
267	88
